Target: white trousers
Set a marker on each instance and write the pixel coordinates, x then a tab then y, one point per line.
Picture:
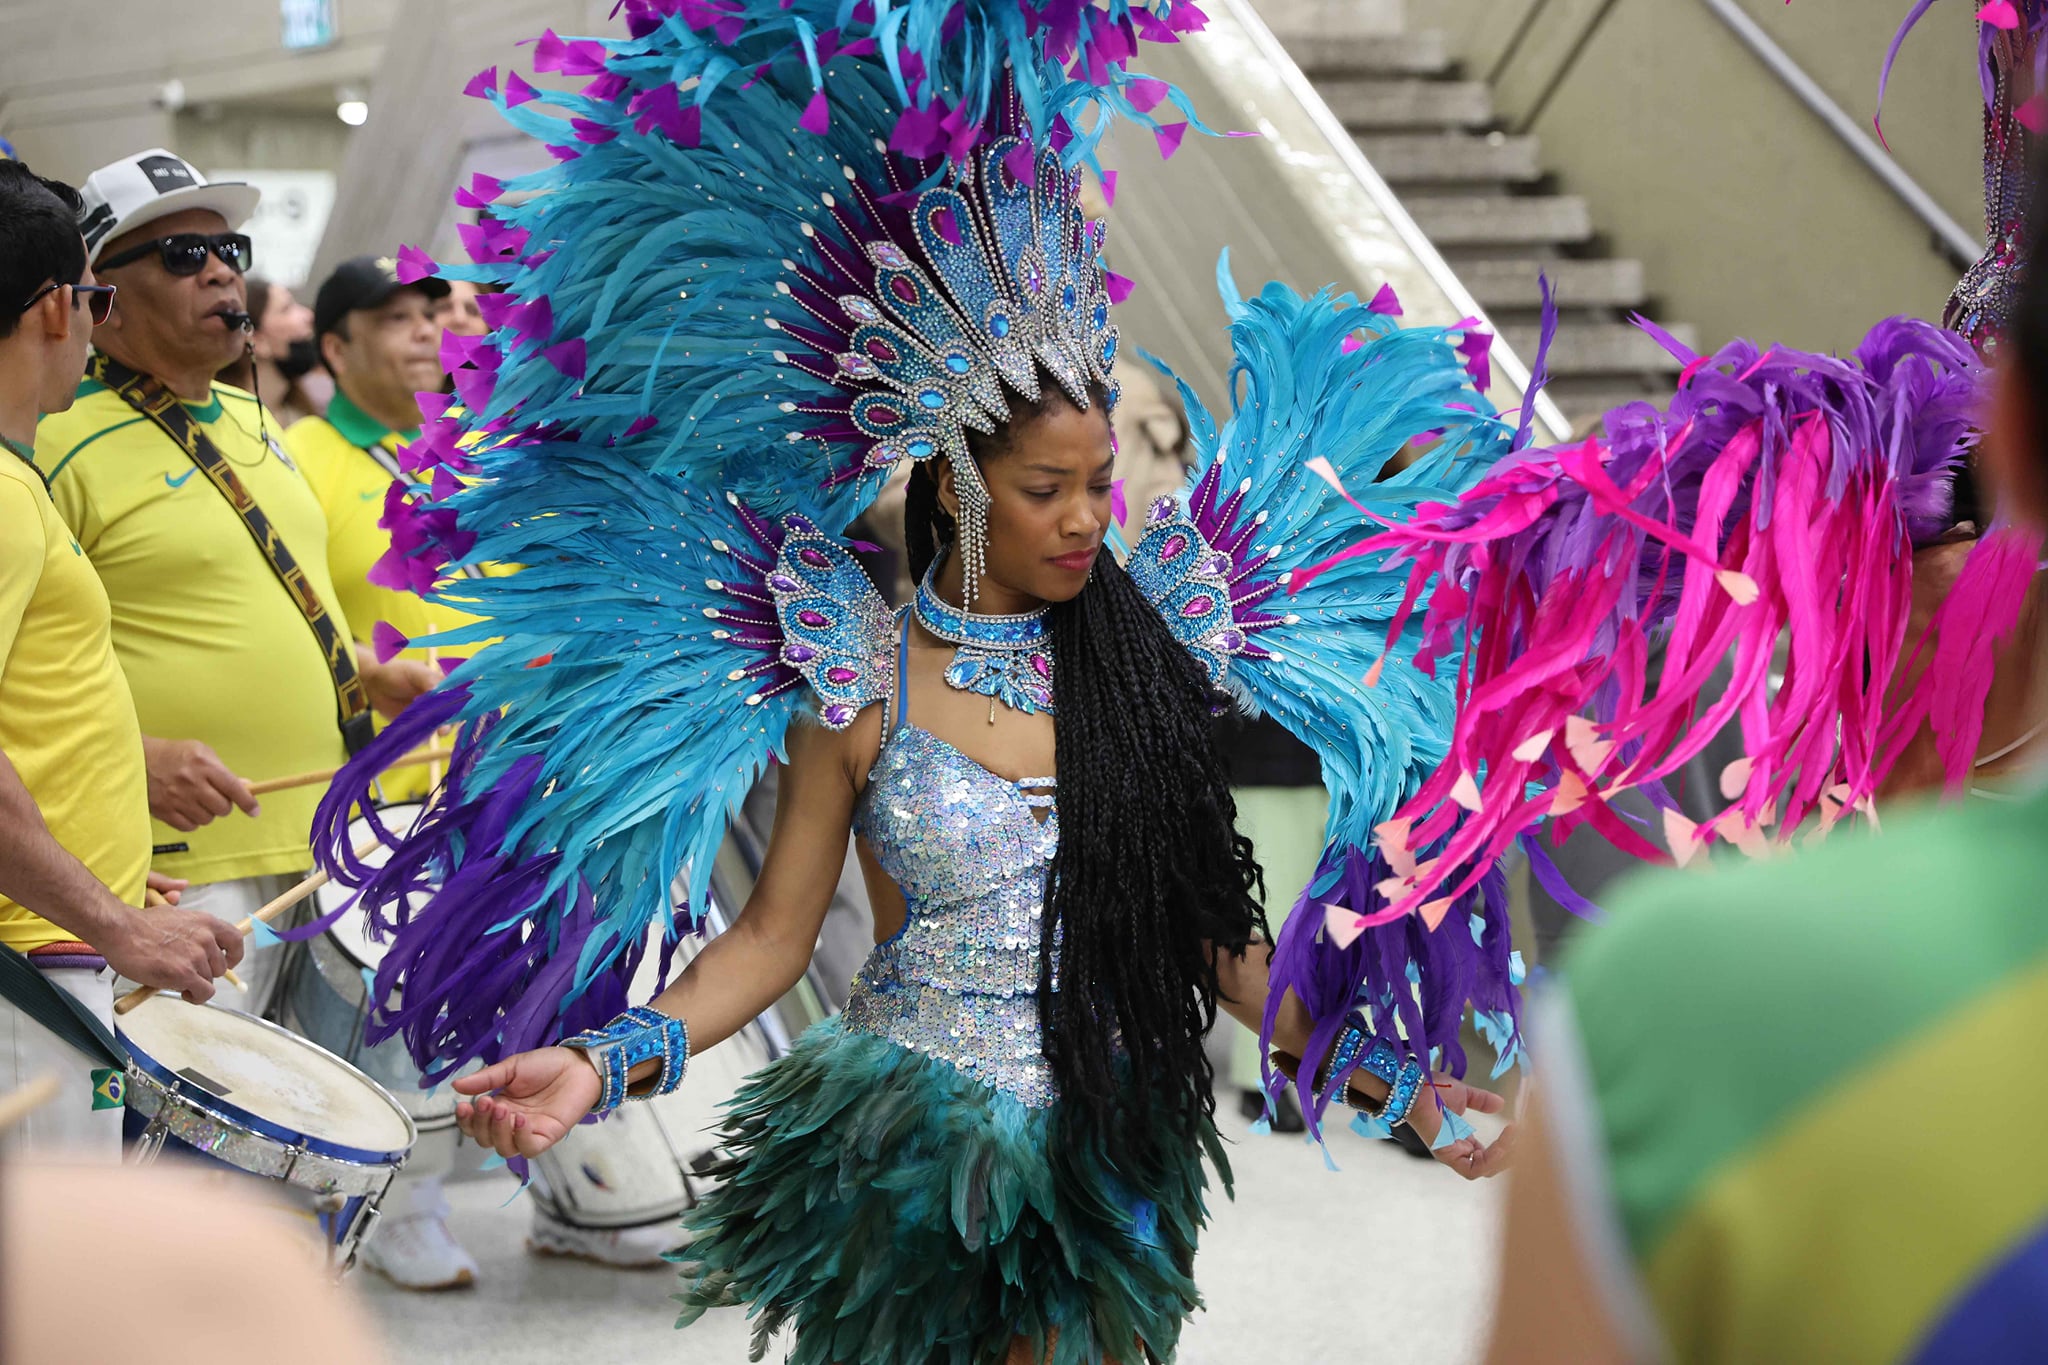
234	901
83	1123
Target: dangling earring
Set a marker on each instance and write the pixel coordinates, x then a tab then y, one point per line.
970	536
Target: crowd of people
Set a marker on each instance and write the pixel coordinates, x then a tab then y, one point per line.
1750	1142
189	611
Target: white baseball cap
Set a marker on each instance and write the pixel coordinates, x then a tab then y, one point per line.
150	185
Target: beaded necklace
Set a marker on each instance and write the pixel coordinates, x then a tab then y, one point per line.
1007	659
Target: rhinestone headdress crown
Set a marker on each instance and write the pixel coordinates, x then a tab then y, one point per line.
929	303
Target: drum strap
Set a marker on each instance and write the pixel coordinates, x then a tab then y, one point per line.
148	396
57	1010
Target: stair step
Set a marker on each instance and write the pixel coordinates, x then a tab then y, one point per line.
1367	104
1455	220
1447	158
1373	54
1584	401
1506	285
1590	348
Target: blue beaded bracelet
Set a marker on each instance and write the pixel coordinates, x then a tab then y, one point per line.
1404	1076
639	1035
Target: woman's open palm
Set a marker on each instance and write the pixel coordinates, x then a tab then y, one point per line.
526	1104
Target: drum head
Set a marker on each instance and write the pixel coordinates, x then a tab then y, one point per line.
350	933
263	1071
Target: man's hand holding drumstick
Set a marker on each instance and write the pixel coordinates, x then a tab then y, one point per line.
189	786
169	948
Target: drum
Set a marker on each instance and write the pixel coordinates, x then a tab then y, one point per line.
327	998
626	1172
622	1173
241	1092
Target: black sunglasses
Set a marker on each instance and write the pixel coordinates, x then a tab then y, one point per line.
98	297
184	253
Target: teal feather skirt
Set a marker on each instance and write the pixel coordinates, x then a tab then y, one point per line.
895	1211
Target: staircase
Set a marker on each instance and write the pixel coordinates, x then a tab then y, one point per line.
1484	197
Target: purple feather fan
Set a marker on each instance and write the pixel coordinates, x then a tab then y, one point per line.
1769	516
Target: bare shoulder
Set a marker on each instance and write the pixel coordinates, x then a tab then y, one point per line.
818	751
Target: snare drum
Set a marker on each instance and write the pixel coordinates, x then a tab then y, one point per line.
327	998
214	1084
623	1173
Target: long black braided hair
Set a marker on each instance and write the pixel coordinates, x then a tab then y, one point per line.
1150	872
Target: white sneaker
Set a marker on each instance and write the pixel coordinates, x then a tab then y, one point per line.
417	1251
621	1248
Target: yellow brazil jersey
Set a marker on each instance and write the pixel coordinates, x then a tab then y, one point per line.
351	483
67	722
214	647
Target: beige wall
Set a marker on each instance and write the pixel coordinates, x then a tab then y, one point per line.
424	135
80	80
1752	218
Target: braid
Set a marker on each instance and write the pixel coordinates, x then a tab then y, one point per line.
926	526
1154	872
1160	875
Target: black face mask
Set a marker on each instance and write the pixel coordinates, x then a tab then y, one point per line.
299	358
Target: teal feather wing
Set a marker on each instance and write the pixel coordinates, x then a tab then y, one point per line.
1341	418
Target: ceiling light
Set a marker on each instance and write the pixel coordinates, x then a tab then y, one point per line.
354	113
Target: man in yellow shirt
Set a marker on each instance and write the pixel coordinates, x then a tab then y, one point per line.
74	814
234	673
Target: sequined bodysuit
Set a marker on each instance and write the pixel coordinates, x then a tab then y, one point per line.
959	981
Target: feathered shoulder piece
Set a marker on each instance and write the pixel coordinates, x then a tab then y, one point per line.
1340	415
649	665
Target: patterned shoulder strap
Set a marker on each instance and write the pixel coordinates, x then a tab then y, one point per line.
148	396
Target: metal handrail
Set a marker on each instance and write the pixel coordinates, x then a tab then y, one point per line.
1962	246
1273	52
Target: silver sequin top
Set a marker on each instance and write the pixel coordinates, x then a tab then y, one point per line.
959	982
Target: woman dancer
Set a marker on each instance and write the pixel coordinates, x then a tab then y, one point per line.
998	1146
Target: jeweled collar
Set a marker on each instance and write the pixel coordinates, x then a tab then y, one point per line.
1024	630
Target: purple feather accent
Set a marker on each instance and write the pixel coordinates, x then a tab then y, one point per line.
1373	973
1539	369
1781	493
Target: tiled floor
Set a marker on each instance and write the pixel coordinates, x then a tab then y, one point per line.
1390	1258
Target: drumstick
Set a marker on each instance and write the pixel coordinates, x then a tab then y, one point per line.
152	898
428	755
265	915
19	1104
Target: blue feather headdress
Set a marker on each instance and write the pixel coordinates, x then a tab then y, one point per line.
717	289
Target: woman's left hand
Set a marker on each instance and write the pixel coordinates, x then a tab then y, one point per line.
1468	1156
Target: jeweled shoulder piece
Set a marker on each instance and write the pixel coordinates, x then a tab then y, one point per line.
1188	580
836	628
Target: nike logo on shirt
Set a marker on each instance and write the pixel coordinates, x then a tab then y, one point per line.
178	482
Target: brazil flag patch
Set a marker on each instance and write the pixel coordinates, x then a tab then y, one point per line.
108	1088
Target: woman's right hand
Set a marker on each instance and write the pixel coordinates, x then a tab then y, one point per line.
528	1103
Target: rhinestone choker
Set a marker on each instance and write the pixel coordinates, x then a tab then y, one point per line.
1007	659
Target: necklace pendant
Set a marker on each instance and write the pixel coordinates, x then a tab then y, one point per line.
1021	681
1007	659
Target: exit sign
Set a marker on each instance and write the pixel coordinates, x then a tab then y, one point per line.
307	23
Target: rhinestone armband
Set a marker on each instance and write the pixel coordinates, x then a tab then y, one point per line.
639	1035
1404	1076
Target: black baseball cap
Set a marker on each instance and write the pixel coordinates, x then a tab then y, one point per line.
364	282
